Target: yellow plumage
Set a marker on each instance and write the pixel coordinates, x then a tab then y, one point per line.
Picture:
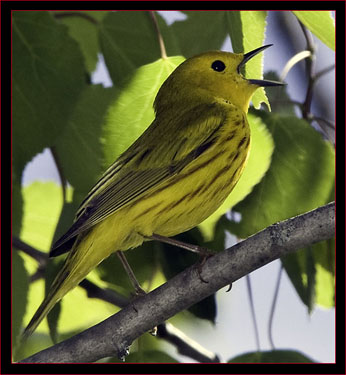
173	177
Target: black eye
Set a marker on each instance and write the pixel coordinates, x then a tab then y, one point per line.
218	66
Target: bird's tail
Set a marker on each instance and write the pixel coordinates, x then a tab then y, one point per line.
82	258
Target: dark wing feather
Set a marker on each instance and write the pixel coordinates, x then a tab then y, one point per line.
131	175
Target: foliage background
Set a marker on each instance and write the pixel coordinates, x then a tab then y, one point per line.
86	126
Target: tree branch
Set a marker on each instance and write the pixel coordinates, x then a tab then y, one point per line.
166	331
114	335
39	256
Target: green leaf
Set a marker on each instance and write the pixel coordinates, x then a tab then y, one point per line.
247	32
129	40
193	35
311	271
262	147
132	111
300	177
17	204
46	82
324	258
42	206
301	270
20	286
321	23
79	147
82	26
274	356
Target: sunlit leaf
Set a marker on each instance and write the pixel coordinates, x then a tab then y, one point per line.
321	23
299	179
247	32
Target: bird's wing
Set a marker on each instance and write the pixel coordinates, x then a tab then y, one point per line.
150	161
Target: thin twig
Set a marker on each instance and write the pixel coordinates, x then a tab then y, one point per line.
330	124
310	67
159	36
324	71
185	345
272	310
324	125
76	14
253	313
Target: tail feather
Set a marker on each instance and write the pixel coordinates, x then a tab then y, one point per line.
82	258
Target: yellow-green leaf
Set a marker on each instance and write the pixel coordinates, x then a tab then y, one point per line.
321	23
247	32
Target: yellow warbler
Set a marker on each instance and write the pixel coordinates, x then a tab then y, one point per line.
177	173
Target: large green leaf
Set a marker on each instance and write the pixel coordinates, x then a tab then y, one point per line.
262	147
247	32
79	146
48	76
129	40
321	23
300	177
132	111
20	286
193	35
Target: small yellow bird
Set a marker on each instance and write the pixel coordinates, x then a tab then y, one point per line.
175	175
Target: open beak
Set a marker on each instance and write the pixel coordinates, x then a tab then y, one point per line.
258	82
